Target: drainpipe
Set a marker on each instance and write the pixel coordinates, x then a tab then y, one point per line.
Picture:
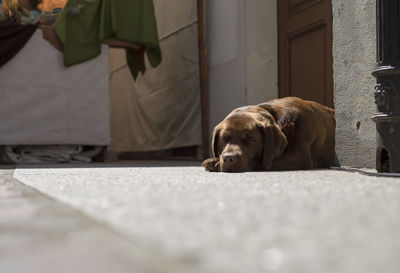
387	89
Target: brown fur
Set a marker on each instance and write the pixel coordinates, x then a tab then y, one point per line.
282	134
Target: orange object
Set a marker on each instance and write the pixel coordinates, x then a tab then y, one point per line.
51	4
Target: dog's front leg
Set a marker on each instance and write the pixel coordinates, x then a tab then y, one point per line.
212	164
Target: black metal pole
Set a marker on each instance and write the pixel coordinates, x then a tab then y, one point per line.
387	89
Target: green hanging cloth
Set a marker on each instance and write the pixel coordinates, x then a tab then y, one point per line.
84	24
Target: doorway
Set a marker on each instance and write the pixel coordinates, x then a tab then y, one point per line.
305	50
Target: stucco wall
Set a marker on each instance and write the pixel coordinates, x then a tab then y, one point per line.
242	54
226	58
261	51
354	48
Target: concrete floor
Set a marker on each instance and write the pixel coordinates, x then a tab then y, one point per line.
175	217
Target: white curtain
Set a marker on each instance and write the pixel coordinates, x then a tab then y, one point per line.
161	109
44	103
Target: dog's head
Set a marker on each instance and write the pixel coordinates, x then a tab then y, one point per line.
248	140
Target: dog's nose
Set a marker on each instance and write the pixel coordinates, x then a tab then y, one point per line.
229	158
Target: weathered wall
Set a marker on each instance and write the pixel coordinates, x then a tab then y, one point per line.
226	58
261	51
354	58
242	54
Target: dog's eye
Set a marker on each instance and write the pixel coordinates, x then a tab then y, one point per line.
226	139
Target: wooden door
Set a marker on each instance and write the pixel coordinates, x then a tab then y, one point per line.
305	49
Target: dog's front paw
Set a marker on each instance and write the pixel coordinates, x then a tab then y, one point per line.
211	164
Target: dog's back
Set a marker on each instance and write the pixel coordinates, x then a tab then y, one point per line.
309	128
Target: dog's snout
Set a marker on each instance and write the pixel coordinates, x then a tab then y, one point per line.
229	158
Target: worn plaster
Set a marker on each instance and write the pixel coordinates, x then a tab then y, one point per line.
353	62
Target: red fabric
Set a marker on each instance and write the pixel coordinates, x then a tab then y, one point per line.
51	36
12	39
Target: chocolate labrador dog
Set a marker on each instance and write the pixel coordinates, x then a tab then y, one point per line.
282	134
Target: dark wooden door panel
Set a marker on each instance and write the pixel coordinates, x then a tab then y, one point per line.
299	5
305	50
307	53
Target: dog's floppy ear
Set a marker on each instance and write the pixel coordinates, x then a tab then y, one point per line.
284	117
275	143
215	141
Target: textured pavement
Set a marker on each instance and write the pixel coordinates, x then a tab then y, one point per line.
172	217
40	235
